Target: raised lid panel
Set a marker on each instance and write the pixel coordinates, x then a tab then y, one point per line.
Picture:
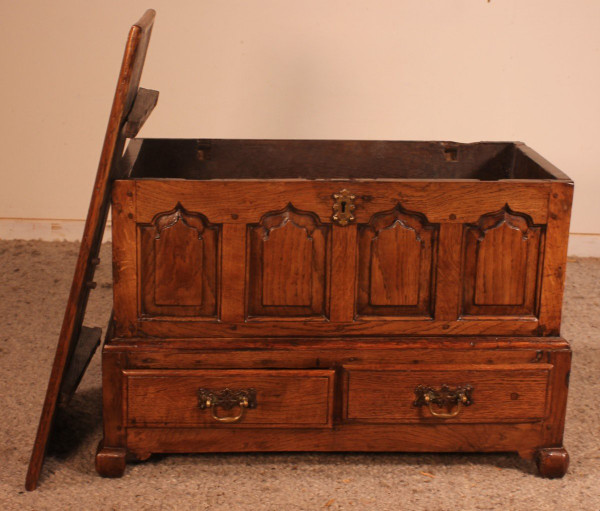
511	393
298	398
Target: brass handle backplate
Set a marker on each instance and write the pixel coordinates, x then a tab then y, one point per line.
227	399
343	207
449	402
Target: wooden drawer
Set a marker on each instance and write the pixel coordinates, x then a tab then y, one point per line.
499	393
278	398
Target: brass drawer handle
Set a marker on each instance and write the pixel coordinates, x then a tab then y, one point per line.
227	399
445	399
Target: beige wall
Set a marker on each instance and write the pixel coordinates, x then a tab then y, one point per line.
463	70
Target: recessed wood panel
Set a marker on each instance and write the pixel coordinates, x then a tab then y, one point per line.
287	265
179	255
287	257
396	259
178	264
501	267
395	262
501	259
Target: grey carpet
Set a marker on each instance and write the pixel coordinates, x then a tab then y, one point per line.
34	282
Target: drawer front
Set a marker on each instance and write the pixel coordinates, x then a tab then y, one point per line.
259	398
492	393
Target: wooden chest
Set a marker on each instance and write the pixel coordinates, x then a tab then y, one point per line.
275	295
336	295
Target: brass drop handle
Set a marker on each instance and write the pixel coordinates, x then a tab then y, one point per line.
227	399
444	398
228	418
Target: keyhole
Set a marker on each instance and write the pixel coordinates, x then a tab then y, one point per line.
343	206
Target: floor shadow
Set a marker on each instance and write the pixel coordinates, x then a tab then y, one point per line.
76	424
508	460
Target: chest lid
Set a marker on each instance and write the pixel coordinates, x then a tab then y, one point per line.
76	344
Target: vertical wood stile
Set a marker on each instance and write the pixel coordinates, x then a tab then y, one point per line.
233	272
555	256
448	279
124	245
343	273
557	397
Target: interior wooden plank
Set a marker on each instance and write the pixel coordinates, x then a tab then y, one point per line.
322	159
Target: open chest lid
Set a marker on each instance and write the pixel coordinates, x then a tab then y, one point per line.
76	343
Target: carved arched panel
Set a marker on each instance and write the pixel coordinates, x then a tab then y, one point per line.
287	265
396	252
501	265
179	264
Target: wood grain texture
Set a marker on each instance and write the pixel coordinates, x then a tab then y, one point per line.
114	400
361	327
178	265
179	254
230	273
343	273
143	105
501	258
418	290
363	343
289	288
285	398
287	265
501	268
557	407
448	270
247	201
493	256
233	278
554	266
112	149
396	257
512	412
395	267
313	358
347	437
501	393
325	159
124	254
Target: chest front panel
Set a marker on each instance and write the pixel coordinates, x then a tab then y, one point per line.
277	258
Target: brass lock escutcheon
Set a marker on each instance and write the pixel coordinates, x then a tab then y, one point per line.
343	207
443	398
227	399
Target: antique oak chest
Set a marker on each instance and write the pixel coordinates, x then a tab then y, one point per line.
336	295
298	295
